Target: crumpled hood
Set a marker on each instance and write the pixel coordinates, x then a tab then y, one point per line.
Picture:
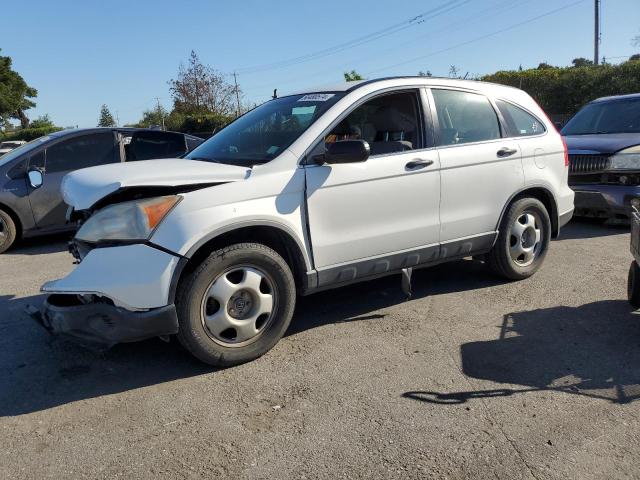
604	143
83	188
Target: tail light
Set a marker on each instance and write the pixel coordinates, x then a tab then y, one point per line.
566	152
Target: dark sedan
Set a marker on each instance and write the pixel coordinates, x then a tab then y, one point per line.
30	176
604	156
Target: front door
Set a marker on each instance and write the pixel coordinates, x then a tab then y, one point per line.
375	216
49	209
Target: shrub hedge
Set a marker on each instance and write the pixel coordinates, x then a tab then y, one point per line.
565	90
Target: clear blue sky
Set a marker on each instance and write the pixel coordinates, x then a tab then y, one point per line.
81	54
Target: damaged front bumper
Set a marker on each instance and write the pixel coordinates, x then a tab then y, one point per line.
116	294
103	324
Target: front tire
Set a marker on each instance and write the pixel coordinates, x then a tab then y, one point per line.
236	305
8	231
523	241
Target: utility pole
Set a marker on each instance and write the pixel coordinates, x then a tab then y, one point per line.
235	80
596	39
160	112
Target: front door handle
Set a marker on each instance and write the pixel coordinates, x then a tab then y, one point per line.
506	152
418	163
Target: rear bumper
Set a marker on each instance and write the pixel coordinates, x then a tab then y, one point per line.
605	201
103	324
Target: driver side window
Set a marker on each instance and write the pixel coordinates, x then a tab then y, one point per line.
389	123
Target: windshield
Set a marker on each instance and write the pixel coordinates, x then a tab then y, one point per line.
16	152
618	116
263	133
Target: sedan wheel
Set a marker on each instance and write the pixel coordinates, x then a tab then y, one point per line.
7	231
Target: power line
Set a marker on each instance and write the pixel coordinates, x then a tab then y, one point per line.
416	20
449	28
482	37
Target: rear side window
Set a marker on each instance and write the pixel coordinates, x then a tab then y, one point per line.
464	117
519	122
149	145
81	152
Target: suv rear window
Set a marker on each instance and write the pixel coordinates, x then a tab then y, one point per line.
519	122
464	117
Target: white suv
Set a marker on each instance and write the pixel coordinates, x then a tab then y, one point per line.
307	192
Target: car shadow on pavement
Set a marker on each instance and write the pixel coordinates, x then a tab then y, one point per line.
39	371
592	350
590	228
40	245
355	302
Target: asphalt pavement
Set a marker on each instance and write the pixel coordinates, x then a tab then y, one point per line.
473	378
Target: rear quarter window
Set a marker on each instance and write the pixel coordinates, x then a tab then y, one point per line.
519	122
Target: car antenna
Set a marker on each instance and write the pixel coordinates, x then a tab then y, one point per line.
275	93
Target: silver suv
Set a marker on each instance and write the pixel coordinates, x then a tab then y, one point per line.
309	191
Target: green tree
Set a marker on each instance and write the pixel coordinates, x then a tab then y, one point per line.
634	58
563	90
200	89
43	121
154	117
542	66
352	76
106	119
581	62
425	74
15	95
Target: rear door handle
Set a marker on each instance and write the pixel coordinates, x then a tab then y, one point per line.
506	152
418	163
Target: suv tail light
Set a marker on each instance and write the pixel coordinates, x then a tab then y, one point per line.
566	152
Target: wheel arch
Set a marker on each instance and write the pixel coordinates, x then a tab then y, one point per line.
274	236
539	192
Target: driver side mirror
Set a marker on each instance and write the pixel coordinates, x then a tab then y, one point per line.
347	151
35	178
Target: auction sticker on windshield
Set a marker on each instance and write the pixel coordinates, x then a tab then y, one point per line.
317	97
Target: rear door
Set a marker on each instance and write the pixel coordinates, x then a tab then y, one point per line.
80	151
480	169
147	145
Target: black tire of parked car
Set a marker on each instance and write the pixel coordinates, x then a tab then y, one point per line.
193	334
633	284
8	231
499	258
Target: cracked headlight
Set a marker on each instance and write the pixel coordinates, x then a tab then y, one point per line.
127	221
627	159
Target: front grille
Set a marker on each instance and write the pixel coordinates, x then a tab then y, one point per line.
585	164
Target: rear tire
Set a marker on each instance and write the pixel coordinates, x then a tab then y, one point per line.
236	305
633	284
523	241
8	231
